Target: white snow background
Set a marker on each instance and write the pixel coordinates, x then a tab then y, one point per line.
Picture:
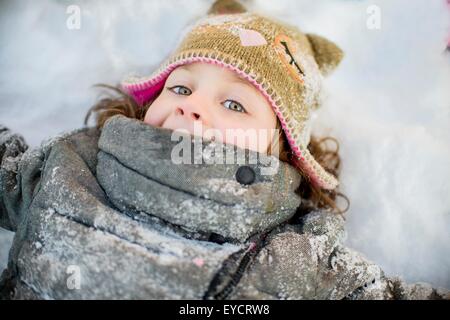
387	103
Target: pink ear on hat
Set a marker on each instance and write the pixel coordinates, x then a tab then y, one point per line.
250	38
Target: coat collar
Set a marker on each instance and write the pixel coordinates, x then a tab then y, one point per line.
138	169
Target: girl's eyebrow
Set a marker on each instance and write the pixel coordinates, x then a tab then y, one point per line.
241	80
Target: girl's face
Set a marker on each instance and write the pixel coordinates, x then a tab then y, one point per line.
224	106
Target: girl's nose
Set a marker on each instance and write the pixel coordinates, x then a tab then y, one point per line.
185	111
193	111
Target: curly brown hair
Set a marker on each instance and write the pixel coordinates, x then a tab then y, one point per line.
119	102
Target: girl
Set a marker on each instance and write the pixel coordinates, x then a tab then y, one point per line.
135	103
106	212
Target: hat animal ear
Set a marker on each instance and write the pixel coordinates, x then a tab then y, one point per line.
326	53
226	7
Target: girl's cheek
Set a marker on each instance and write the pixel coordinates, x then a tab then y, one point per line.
156	114
151	119
253	139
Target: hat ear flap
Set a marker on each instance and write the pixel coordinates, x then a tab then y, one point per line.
326	53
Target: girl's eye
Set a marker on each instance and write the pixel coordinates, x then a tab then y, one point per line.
181	90
233	105
229	104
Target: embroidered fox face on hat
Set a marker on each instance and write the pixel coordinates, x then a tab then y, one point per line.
283	63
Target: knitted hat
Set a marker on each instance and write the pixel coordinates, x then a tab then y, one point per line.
284	64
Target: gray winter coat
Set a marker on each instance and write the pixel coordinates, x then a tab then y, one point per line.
109	215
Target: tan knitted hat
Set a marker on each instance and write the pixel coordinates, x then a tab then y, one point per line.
284	64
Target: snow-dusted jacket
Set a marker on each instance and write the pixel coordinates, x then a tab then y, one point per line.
109	214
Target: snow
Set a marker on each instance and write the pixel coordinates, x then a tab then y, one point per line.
231	187
387	103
